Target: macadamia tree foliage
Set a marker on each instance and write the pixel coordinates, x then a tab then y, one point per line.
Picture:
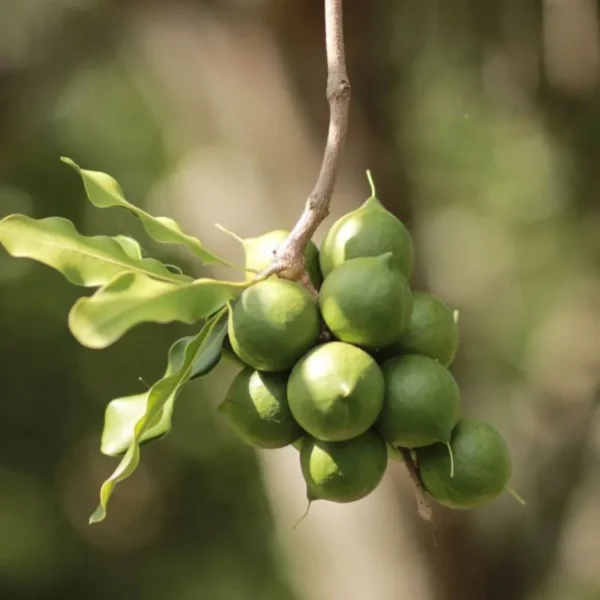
337	354
352	374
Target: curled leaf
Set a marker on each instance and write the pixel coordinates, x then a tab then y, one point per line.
126	467
122	414
100	320
120	418
132	247
162	392
103	192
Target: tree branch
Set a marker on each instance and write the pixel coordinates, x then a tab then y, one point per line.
289	260
423	506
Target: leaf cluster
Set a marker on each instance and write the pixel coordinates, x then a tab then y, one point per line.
131	288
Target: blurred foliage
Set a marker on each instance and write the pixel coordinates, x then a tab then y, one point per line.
485	138
194	522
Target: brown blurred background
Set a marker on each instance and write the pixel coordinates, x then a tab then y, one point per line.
480	121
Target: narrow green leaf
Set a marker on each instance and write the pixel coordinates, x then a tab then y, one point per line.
162	392
195	349
174	268
120	418
177	353
86	261
126	467
131	247
177	377
103	191
210	356
211	353
122	414
129	300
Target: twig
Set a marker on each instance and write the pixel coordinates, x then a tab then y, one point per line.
423	506
289	262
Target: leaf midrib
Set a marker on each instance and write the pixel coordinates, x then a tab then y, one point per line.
115	262
181	376
126	469
119	201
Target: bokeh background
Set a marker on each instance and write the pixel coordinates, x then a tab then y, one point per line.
480	120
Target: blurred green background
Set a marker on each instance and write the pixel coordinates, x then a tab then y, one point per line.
480	121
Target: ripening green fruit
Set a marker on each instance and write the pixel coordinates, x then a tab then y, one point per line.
421	404
259	252
335	391
272	324
257	410
370	230
432	330
366	301
482	466
229	354
343	471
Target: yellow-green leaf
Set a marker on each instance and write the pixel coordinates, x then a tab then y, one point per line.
84	260
103	191
126	467
122	414
100	320
120	418
130	246
162	392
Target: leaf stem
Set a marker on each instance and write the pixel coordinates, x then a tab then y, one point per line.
371	184
451	455
516	496
236	237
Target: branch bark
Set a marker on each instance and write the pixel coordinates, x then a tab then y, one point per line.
423	506
289	260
